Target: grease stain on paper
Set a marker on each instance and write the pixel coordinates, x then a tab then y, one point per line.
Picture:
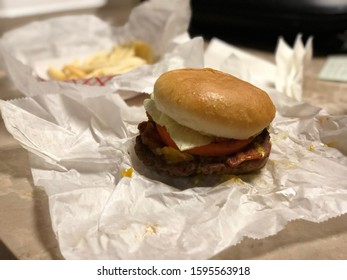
284	163
280	136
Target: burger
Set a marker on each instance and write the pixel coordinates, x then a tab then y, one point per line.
204	121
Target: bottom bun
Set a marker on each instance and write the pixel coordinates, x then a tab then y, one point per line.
250	159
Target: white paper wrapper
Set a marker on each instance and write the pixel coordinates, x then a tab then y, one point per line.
290	66
230	59
286	75
80	143
28	50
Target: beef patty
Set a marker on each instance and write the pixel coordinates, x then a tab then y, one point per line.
252	157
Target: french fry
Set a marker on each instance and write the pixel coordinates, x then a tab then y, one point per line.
97	57
123	66
71	70
144	51
121	52
120	59
56	74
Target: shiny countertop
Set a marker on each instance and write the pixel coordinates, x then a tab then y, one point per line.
25	227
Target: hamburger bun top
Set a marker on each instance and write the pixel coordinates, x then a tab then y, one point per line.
213	102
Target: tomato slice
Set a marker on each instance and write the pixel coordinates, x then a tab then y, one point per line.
165	136
223	148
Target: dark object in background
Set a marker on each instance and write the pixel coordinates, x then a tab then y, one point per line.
260	23
5	253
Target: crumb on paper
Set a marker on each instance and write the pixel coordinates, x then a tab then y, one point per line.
127	172
151	229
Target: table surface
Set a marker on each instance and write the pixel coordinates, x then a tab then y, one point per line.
25	226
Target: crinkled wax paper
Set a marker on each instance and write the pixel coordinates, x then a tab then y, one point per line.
228	58
286	75
163	24
79	144
291	63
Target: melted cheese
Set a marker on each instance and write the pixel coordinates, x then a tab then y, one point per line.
184	137
173	156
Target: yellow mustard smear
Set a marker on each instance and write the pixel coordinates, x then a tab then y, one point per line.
260	149
311	147
233	179
197	179
172	155
127	172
